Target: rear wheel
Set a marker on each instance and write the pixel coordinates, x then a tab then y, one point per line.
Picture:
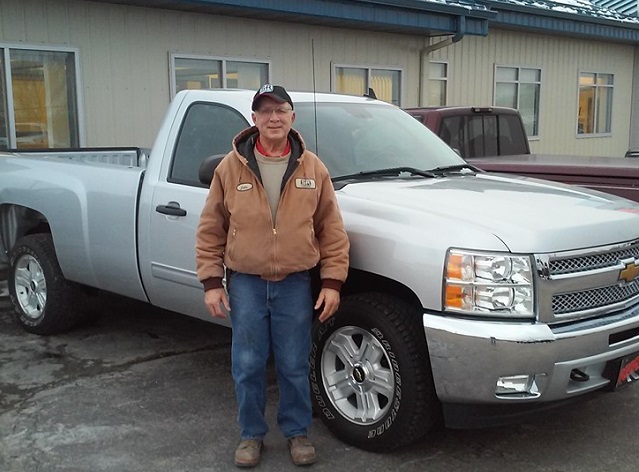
44	301
370	373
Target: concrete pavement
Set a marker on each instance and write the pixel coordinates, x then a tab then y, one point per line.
139	389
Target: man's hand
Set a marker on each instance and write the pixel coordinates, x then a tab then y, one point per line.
330	299
214	299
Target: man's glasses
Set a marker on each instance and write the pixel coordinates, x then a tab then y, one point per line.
280	111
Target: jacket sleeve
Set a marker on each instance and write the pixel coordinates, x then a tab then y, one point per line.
331	235
211	234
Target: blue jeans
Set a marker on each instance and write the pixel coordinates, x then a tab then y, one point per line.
273	316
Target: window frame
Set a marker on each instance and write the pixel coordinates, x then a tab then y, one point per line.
596	86
223	59
369	69
439	79
173	179
518	82
6	48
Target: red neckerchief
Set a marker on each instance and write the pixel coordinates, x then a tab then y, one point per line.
263	152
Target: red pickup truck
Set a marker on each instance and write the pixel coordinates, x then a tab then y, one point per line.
476	131
494	139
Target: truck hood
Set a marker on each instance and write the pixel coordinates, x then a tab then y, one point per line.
527	215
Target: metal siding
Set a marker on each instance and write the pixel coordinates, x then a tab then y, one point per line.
124	59
560	60
634	119
12	20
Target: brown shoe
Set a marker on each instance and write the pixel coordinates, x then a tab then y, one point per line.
249	452
302	451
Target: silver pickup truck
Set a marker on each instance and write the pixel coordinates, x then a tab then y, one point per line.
472	295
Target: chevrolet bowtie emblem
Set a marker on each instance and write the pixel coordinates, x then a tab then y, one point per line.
629	273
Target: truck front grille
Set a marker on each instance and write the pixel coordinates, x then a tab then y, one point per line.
595	298
588	283
576	264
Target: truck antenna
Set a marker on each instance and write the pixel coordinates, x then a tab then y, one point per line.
314	99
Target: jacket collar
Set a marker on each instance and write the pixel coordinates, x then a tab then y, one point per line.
244	146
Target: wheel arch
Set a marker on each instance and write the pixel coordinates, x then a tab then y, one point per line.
360	281
17	221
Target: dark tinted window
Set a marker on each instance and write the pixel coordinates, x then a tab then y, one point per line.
453	132
512	139
484	135
208	129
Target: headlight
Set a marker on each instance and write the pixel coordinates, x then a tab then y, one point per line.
496	285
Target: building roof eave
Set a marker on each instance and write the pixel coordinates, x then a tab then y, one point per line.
548	17
421	17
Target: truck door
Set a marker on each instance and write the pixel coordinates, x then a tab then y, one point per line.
176	202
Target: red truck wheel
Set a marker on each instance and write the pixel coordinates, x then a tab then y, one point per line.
371	381
44	301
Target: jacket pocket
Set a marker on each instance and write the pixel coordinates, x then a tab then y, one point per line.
231	243
310	249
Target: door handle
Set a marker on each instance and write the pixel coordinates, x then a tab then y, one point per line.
171	208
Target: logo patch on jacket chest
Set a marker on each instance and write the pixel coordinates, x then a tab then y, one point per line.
244	187
305	183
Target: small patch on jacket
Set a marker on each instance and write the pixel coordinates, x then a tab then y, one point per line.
305	183
244	187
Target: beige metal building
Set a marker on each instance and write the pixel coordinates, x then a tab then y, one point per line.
101	73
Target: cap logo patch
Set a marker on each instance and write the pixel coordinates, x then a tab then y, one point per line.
305	183
266	88
244	187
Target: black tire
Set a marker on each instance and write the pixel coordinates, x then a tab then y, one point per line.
44	301
373	348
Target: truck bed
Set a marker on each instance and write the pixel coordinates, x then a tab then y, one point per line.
93	196
618	176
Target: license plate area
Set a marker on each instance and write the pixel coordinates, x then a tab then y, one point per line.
623	371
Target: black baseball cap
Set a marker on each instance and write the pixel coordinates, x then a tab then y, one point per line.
276	92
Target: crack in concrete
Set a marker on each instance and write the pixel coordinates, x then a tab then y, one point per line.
93	370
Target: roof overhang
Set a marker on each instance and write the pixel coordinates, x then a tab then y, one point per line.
559	18
419	17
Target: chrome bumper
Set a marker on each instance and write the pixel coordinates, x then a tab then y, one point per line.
469	356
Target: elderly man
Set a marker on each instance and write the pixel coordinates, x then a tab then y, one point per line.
271	215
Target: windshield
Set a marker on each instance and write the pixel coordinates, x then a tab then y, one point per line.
362	137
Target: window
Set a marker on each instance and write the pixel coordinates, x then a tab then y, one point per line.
208	129
196	72
595	103
437	84
357	80
38	99
484	135
519	87
349	139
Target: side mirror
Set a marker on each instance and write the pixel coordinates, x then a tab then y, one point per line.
207	167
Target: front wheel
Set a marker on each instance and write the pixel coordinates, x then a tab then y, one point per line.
370	373
44	301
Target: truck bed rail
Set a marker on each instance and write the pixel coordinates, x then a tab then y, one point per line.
120	156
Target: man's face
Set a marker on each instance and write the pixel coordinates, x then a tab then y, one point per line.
273	119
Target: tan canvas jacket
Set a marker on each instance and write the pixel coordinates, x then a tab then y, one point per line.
237	230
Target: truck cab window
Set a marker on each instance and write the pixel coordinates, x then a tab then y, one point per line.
452	132
512	139
207	129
